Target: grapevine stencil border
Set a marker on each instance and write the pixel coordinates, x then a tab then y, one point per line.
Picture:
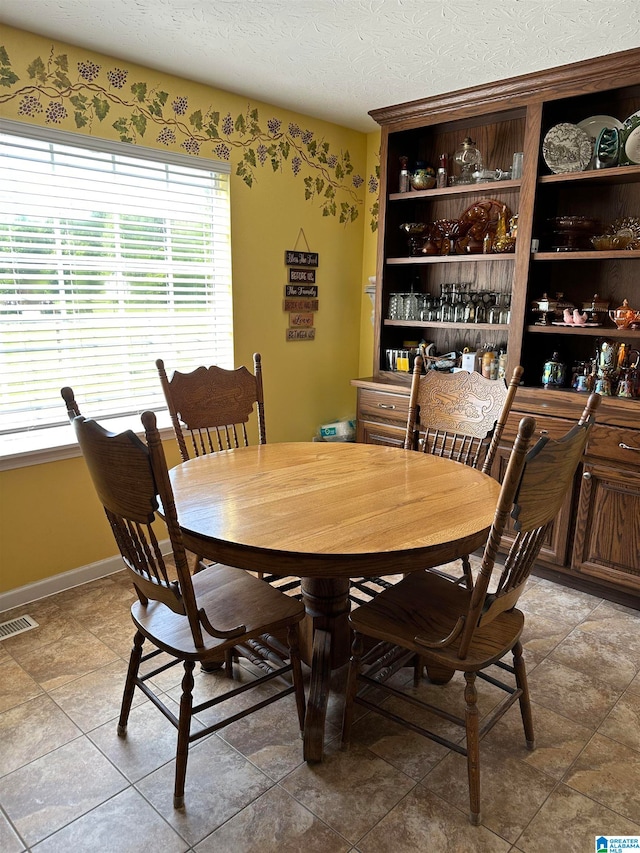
97	93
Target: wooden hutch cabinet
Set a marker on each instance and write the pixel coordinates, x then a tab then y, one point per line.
595	542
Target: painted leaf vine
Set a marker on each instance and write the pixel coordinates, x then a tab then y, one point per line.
90	93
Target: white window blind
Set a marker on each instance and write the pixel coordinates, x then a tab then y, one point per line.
109	259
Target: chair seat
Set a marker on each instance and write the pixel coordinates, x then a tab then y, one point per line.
405	611
230	597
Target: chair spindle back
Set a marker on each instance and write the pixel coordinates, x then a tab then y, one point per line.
212	406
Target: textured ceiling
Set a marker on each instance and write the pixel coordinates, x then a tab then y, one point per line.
337	59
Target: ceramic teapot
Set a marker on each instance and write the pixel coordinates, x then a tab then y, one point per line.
622	316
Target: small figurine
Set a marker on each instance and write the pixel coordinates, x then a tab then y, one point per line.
567	316
578	318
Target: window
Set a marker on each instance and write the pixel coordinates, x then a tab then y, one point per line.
111	256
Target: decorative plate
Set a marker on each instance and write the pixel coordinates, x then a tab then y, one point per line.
567	148
594	124
632	145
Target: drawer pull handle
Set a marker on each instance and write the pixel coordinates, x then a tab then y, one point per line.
628	447
385	406
587	475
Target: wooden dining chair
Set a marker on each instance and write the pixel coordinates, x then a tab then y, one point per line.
455	629
459	416
211	406
215	615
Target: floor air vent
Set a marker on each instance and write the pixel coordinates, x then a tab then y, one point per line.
16	626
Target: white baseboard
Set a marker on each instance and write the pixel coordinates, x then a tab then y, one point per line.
66	580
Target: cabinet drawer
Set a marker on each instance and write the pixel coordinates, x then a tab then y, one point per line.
553	427
604	444
383	406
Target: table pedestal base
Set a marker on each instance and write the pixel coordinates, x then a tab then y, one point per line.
325	640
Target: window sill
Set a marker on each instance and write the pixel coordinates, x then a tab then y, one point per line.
24	449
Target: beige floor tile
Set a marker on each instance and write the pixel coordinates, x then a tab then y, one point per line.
9	841
67	659
270	738
53	625
623	723
112	623
608	772
124	824
608	608
580	697
569	822
39	805
30	730
220	782
541	635
558	740
150	742
274	823
95	598
349	790
39	610
119	638
404	749
423	821
511	791
634	687
16	686
598	654
619	626
95	698
566	607
122	577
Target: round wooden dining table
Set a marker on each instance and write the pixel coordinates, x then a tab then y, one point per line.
327	512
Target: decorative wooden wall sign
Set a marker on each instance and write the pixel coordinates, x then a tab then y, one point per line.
302	275
301	294
292	258
300	304
301	334
301	290
300	320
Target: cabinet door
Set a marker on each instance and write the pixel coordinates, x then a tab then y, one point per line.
554	548
607	540
372	433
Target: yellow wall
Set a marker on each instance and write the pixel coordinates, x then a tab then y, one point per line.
50	521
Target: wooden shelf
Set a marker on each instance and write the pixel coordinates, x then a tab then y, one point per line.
594	331
452	259
617	255
439	325
616	175
487	188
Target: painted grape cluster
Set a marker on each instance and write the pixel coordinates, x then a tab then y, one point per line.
29	106
138	110
117	77
88	71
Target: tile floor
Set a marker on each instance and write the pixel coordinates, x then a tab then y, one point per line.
68	783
